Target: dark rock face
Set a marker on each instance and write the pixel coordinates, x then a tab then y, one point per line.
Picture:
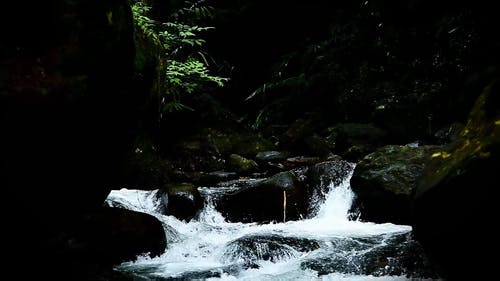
93	243
116	235
455	196
182	201
264	200
384	182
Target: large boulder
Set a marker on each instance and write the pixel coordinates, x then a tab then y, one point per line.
384	182
282	196
95	242
115	235
455	198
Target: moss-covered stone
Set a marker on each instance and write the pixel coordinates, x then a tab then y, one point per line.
384	182
242	143
456	196
241	164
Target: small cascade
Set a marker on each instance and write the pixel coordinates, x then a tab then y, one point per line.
327	246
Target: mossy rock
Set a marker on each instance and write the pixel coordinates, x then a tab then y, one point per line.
384	182
241	164
456	196
242	143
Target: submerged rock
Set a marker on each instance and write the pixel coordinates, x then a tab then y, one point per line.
384	182
456	196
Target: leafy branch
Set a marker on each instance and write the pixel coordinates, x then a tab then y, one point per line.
186	66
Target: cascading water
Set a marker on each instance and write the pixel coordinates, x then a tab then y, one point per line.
328	246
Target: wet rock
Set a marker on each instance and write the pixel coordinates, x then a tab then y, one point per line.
301	174
181	200
377	256
322	174
241	164
216	177
207	149
266	156
456	195
272	247
263	200
302	161
384	182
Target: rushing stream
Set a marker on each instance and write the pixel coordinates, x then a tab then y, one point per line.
327	246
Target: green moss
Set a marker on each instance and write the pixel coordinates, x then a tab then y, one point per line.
480	136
